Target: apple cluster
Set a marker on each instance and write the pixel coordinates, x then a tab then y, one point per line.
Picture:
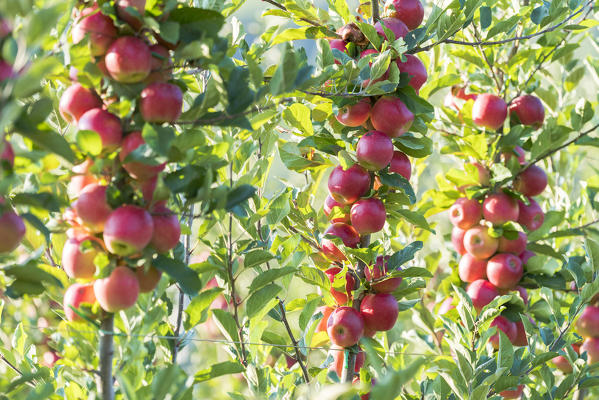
490	230
117	214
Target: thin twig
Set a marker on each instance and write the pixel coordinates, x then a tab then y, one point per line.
298	354
493	73
306	239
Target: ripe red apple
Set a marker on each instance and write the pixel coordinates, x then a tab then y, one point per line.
514	246
329	204
516	151
368	215
457	92
161	102
128	230
457	239
525	256
77	100
588	322
350	282
129	60
161	65
136	169
410	12
348	185
355	115
345	326
326	313
506	326
12	230
379	311
81	178
479	243
484	176
105	124
395	25
338	44
391	116
482	292
339	358
376	274
400	164
531	182
148	280
521	339
49	358
522	293
527	110
99	27
562	362
531	216
167	229
489	111
118	291
504	270
92	208
121	10
75	295
465	213
415	69
76	263
374	150
8	154
6	71
512	394
471	269
591	347
499	208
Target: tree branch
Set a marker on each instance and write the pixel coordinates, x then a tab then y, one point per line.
309	21
298	354
106	354
306	239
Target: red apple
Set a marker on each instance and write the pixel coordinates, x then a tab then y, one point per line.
482	292
415	69
81	179
457	239
562	362
148	279
5	28
484	176
74	296
376	276
131	19
504	270
446	306
356	114
489	111
128	230
400	164
588	322
136	169
161	65
395	25
514	246
591	347
345	326
167	229
338	44
368	215
8	154
49	358
105	124
129	60
348	185
465	213
329	204
506	326
531	216
12	230
499	208
479	243
410	12
326	313
391	116
512	394
118	291
339	358
99	27
471	269
517	151
522	293
76	263
379	311
457	92
77	100
374	150
525	256
92	207
527	110
6	71
341	297
161	102
531	182
521	339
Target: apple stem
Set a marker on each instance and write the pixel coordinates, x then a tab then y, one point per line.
298	355
106	353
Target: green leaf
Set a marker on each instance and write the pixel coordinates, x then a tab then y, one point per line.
415	218
257	257
220	369
398	181
239	195
227	324
186	277
197	310
259	299
486	17
89	142
404	255
42	136
269	276
44	201
37	224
